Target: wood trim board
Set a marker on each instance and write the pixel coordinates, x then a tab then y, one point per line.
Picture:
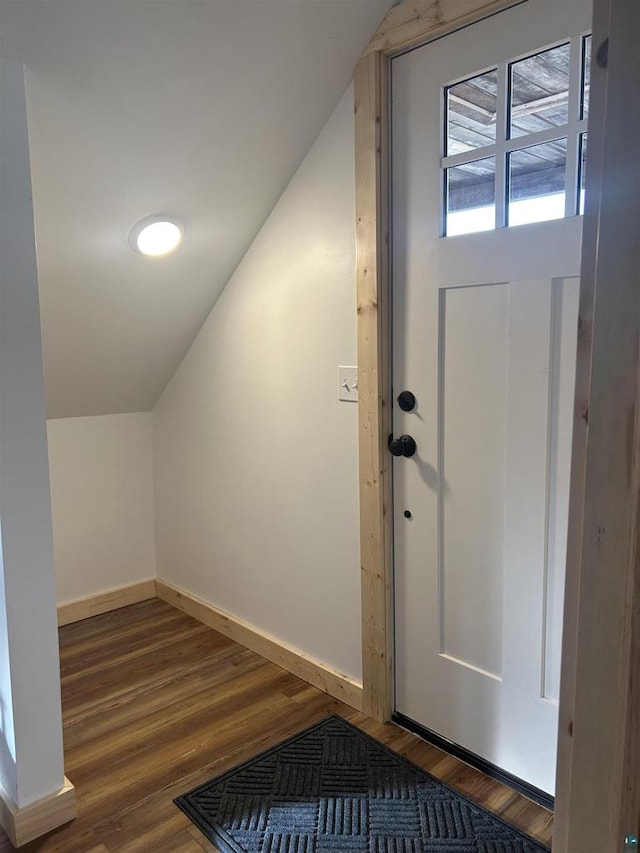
318	674
374	383
25	824
415	22
83	608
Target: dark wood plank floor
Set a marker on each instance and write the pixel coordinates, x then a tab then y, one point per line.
155	703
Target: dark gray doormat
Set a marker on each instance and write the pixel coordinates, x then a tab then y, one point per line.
334	789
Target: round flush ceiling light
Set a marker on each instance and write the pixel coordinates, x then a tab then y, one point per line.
156	235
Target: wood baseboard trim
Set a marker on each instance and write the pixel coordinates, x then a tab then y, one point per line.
83	608
25	824
318	674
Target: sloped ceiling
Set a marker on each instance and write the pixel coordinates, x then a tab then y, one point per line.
198	108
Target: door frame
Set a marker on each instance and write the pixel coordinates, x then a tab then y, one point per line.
598	785
411	24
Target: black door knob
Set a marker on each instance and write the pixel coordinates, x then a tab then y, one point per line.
407	401
403	446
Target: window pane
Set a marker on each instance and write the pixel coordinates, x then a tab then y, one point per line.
537	183
539	92
471	197
471	113
583	163
586	75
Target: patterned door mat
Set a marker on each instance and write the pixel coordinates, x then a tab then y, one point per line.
334	789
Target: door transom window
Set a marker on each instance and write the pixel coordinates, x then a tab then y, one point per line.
514	141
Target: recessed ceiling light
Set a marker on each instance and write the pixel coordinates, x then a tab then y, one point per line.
156	235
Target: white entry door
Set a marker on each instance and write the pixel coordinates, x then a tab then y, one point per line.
488	145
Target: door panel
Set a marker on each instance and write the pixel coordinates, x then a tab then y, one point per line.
472	378
484	334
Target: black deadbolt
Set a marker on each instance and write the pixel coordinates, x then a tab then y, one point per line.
403	446
407	401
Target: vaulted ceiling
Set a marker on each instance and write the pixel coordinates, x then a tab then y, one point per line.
198	108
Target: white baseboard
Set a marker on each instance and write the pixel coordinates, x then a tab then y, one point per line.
24	824
83	608
319	674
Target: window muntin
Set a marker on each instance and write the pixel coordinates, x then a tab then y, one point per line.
517	131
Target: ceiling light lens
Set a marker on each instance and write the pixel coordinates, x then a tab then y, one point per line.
157	236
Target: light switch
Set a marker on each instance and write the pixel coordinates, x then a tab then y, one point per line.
348	384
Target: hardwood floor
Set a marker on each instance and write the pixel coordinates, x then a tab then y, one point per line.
155	703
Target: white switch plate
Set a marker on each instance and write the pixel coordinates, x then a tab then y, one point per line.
348	384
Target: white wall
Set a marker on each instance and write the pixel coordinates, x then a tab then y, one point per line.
101	471
31	761
255	459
